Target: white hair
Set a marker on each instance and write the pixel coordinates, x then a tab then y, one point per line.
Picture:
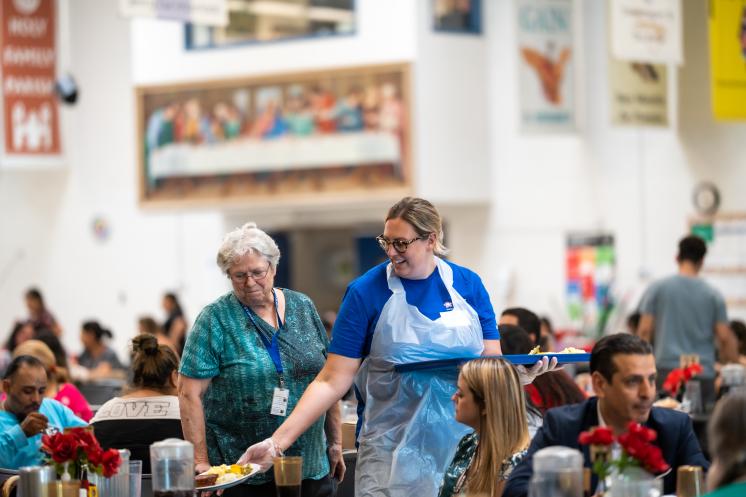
241	241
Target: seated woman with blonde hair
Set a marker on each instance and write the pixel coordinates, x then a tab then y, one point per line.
490	399
58	386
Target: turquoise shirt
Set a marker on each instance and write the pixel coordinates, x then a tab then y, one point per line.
224	346
732	490
18	450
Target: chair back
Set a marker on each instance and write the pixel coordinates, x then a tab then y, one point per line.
8	482
99	391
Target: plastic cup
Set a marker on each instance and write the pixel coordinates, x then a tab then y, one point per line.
135	478
689	481
288	476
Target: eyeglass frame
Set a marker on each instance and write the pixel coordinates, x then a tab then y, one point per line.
242	280
384	243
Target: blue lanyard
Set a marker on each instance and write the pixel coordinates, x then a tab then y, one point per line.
271	344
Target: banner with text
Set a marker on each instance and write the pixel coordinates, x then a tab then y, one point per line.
647	30
29	57
638	92
203	12
728	58
546	65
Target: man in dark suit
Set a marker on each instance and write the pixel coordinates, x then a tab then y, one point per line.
623	374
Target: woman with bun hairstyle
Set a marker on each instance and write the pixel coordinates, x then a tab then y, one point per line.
58	386
149	411
100	360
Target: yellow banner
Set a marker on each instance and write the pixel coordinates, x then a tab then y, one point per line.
728	58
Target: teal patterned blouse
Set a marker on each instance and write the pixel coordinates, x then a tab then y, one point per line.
454	479
224	346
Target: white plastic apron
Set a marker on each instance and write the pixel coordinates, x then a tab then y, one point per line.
409	432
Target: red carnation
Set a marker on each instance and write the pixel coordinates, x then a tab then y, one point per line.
86	438
673	381
641	432
95	455
110	461
62	447
601	435
653	460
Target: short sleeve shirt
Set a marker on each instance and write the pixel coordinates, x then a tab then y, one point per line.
366	296
225	347
18	450
686	310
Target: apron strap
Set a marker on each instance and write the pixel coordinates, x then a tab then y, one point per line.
393	280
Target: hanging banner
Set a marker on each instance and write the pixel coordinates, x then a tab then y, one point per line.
29	55
546	65
590	269
203	12
638	93
728	58
646	30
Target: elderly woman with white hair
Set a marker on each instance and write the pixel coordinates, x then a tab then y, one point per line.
247	360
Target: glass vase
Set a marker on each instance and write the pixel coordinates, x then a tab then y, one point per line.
634	482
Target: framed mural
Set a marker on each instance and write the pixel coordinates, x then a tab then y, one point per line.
256	21
457	16
342	131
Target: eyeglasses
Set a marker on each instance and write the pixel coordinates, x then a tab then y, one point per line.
400	245
254	275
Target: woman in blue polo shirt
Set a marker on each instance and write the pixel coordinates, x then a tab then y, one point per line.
415	307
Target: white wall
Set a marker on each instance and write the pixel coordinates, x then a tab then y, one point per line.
451	115
384	34
633	182
47	222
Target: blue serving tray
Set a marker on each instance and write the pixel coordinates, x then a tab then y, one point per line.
525	359
561	358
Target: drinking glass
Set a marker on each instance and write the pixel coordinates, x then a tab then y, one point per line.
288	476
692	397
135	478
690	481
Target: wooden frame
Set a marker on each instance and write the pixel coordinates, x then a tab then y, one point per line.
341	133
250	23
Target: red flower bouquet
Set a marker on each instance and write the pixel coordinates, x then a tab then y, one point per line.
637	450
69	452
680	376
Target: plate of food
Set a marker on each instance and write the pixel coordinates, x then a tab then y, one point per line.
566	356
224	476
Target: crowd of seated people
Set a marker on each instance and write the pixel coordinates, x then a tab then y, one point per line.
58	382
510	421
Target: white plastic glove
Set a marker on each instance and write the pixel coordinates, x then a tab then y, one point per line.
543	365
262	454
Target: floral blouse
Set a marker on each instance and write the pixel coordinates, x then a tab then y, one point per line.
454	479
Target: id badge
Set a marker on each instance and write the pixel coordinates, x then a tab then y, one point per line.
280	402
